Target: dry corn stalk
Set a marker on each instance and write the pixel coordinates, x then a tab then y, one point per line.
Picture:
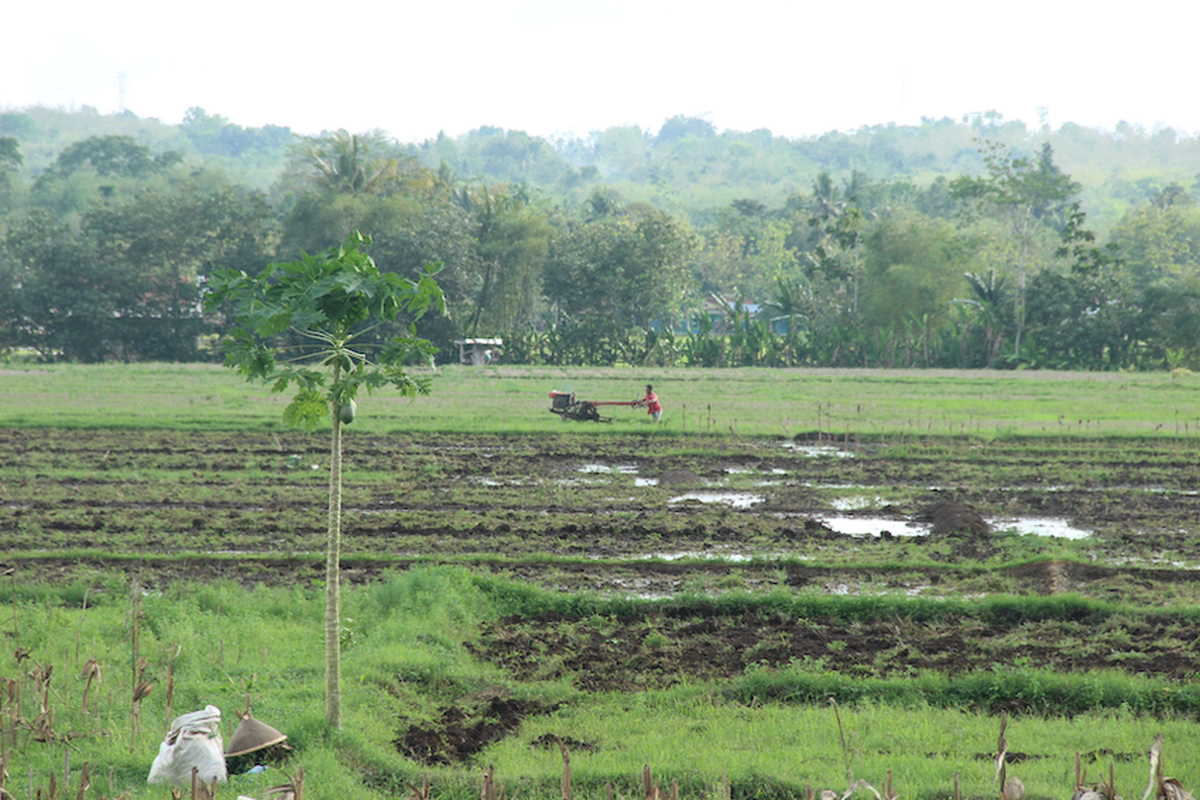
12	713
4	755
566	776
492	789
842	735
92	673
43	724
1162	788
1010	788
200	790
888	792
85	780
649	788
1104	790
294	788
860	783
174	652
1108	789
1081	789
423	792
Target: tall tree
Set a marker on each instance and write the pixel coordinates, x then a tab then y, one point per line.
330	300
172	242
56	299
1027	195
345	183
627	269
513	241
10	161
914	265
113	156
1160	239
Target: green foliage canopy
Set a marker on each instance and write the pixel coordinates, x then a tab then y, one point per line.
327	301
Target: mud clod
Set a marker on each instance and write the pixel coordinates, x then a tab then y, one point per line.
953	517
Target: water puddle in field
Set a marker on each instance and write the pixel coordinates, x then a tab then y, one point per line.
838	486
856	502
604	469
705	555
583	482
874	526
1023	526
493	482
1038	526
817	450
733	499
645	481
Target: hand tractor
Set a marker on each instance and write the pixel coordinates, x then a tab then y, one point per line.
568	407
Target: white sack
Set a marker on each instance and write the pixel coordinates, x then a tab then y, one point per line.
194	741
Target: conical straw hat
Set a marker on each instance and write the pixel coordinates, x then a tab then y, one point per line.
251	735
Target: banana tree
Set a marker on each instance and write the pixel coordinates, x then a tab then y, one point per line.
304	324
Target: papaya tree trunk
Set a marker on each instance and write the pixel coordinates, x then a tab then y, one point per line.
333	614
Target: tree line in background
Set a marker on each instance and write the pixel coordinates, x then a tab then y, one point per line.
960	245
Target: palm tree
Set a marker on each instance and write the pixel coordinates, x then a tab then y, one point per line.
788	301
990	295
344	162
838	214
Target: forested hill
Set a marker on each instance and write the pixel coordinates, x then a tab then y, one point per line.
687	167
970	243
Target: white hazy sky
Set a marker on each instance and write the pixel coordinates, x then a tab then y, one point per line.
569	67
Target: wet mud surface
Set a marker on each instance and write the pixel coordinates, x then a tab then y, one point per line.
637	515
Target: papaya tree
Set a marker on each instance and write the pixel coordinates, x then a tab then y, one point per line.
305	326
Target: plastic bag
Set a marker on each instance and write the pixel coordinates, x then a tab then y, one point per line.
194	741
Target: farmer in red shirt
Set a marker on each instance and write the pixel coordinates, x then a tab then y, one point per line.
650	401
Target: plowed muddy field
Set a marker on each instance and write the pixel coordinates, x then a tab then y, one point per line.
642	515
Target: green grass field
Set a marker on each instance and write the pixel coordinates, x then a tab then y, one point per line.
743	402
